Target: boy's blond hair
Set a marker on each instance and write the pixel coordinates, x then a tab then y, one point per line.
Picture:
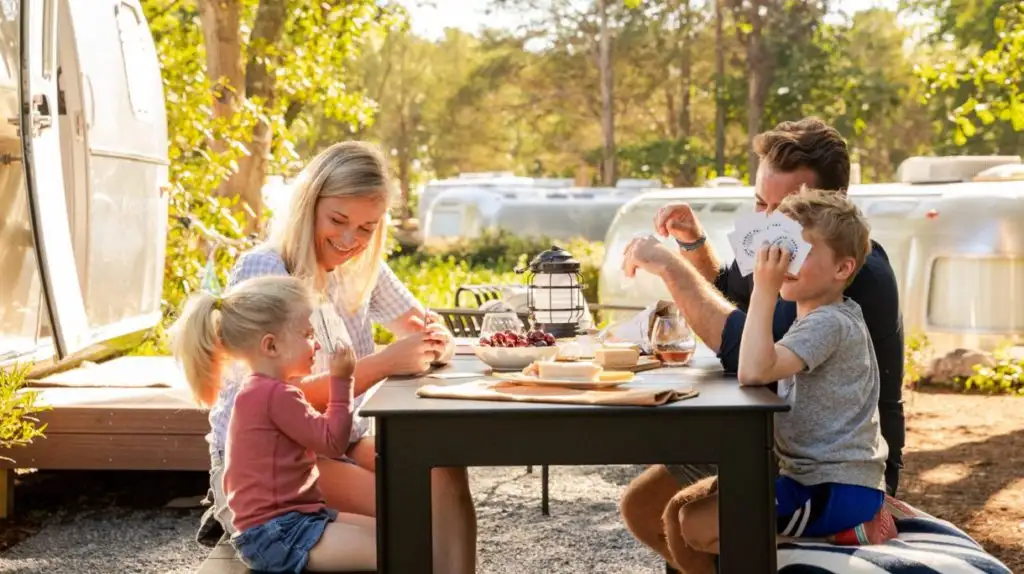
834	218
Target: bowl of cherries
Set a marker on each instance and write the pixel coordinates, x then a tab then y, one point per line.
512	351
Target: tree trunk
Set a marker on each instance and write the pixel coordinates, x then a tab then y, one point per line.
686	65
759	79
248	182
670	113
221	20
719	92
222	24
608	167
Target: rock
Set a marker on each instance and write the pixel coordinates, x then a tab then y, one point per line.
957	363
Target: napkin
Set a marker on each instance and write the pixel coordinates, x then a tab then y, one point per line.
637	329
482	390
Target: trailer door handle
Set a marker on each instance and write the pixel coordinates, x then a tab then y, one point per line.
42	117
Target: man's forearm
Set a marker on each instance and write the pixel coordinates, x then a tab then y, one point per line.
703	307
704	260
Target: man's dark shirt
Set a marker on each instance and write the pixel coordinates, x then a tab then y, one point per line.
874	289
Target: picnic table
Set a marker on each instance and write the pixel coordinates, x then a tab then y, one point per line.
725	424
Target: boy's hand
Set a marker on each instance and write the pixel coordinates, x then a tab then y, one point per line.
770	267
343	361
646	253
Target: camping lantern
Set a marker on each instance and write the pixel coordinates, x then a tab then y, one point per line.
554	292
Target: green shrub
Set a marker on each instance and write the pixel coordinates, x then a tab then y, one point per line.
18	425
1006	377
917	349
434	275
501	251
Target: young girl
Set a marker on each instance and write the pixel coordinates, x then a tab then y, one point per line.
274	436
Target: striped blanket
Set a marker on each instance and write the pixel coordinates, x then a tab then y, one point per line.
924	545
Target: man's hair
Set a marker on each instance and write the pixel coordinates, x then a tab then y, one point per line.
808	143
834	218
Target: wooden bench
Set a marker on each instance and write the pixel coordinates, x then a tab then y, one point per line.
223	560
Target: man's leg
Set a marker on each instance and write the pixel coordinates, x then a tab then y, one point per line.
894	432
643	504
685	557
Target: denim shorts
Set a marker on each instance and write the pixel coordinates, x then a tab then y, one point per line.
282	544
823	509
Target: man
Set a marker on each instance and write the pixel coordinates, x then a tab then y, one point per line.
714	300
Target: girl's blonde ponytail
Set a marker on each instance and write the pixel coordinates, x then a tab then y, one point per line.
197	347
212	329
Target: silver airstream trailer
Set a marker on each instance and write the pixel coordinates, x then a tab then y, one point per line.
957	249
495	182
576	212
83	169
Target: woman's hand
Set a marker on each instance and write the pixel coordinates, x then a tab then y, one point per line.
413	354
441	334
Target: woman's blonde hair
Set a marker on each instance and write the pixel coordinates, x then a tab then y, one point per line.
212	328
346	169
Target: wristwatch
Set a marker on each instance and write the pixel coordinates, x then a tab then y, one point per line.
692	246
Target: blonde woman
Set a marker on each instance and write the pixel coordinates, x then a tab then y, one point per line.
332	238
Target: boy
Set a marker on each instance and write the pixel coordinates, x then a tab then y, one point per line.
829	445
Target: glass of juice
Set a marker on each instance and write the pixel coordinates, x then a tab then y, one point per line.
673	341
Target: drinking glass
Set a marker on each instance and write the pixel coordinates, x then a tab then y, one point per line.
673	341
501	321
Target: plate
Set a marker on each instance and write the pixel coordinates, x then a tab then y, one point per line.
608	379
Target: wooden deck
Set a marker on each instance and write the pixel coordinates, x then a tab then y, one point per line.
132	413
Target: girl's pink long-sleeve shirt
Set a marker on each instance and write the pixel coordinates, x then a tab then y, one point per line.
274	438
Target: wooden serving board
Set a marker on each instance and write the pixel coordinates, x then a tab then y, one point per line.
644	364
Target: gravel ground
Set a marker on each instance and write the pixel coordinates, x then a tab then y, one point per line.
118	522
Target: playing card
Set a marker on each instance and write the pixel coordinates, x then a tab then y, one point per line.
778	220
792	242
320	330
750	220
740	238
755	230
751	241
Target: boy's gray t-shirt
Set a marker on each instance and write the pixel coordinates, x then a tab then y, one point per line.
832	432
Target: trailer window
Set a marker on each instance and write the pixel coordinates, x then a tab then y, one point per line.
977	293
139	60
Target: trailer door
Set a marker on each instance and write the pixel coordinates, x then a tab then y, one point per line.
44	176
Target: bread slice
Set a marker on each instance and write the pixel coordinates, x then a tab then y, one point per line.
617	358
581	372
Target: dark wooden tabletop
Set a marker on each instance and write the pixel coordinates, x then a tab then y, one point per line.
717	391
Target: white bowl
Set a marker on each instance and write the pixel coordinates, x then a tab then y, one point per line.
513	358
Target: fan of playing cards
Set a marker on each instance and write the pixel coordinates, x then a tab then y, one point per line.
756	230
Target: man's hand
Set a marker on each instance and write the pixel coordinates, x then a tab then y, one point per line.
646	253
770	268
678	221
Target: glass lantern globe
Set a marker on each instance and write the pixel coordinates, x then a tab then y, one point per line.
555	292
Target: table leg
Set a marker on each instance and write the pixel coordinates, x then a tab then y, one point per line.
403	502
747	500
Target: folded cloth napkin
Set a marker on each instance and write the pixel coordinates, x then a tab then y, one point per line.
507	391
